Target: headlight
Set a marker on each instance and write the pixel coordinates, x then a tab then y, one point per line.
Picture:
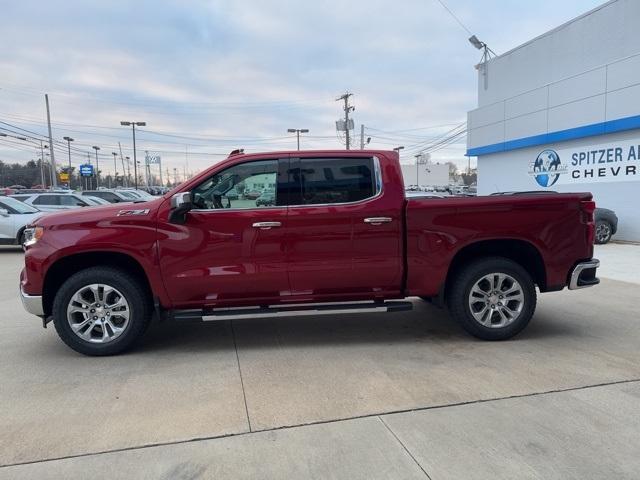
32	235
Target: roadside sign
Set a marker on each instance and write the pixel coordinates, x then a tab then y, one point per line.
153	159
64	177
86	170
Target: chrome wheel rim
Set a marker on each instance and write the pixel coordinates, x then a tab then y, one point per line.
98	313
602	232
496	300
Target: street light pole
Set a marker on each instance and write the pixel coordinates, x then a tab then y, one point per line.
135	162
97	168
298	131
69	140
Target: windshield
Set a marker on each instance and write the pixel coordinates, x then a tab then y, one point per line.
16	206
142	194
95	200
129	195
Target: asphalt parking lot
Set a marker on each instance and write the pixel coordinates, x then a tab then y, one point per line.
404	395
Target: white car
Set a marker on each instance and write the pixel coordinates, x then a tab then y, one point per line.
14	216
54	202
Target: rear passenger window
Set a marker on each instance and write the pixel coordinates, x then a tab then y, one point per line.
47	200
335	180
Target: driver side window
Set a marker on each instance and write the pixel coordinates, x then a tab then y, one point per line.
243	186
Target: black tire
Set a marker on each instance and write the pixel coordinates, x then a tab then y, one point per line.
20	237
135	294
604	232
460	292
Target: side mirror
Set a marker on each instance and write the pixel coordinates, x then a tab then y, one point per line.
180	205
4	212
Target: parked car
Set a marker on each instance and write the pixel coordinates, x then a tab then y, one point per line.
111	196
345	239
53	202
140	194
251	194
266	199
14	217
606	225
95	200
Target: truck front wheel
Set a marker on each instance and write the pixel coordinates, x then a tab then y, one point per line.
493	298
101	311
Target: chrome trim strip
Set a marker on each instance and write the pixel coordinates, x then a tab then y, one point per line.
575	275
32	303
266	225
293	313
377	220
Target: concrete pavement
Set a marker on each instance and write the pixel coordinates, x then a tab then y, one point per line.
189	382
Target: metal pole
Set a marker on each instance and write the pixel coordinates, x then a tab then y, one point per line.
53	158
362	136
44	185
115	168
298	137
125	183
69	140
97	168
346	118
135	162
69	172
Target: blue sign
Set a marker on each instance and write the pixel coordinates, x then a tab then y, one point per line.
86	170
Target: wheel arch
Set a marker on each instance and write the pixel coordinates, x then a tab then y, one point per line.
63	268
520	251
19	234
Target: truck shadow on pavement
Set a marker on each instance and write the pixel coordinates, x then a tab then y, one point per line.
426	324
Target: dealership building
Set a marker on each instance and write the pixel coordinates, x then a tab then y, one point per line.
562	112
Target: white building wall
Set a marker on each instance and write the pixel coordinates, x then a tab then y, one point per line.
569	89
606	33
434	175
510	171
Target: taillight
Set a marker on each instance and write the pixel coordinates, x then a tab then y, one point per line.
588	208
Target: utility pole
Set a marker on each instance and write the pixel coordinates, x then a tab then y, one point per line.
347	109
128	159
186	160
115	169
42	147
124	171
69	140
362	136
53	158
88	182
418	157
97	169
135	162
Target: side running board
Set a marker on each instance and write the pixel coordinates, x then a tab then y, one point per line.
275	311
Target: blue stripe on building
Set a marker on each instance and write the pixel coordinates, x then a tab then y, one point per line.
602	128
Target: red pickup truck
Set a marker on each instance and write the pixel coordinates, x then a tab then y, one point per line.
340	237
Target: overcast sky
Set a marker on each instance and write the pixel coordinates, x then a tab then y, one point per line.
210	76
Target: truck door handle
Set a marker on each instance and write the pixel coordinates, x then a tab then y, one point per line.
377	220
266	225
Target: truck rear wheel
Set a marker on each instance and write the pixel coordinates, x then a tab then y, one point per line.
101	311
493	298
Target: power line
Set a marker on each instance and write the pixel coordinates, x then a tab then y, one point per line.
454	17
